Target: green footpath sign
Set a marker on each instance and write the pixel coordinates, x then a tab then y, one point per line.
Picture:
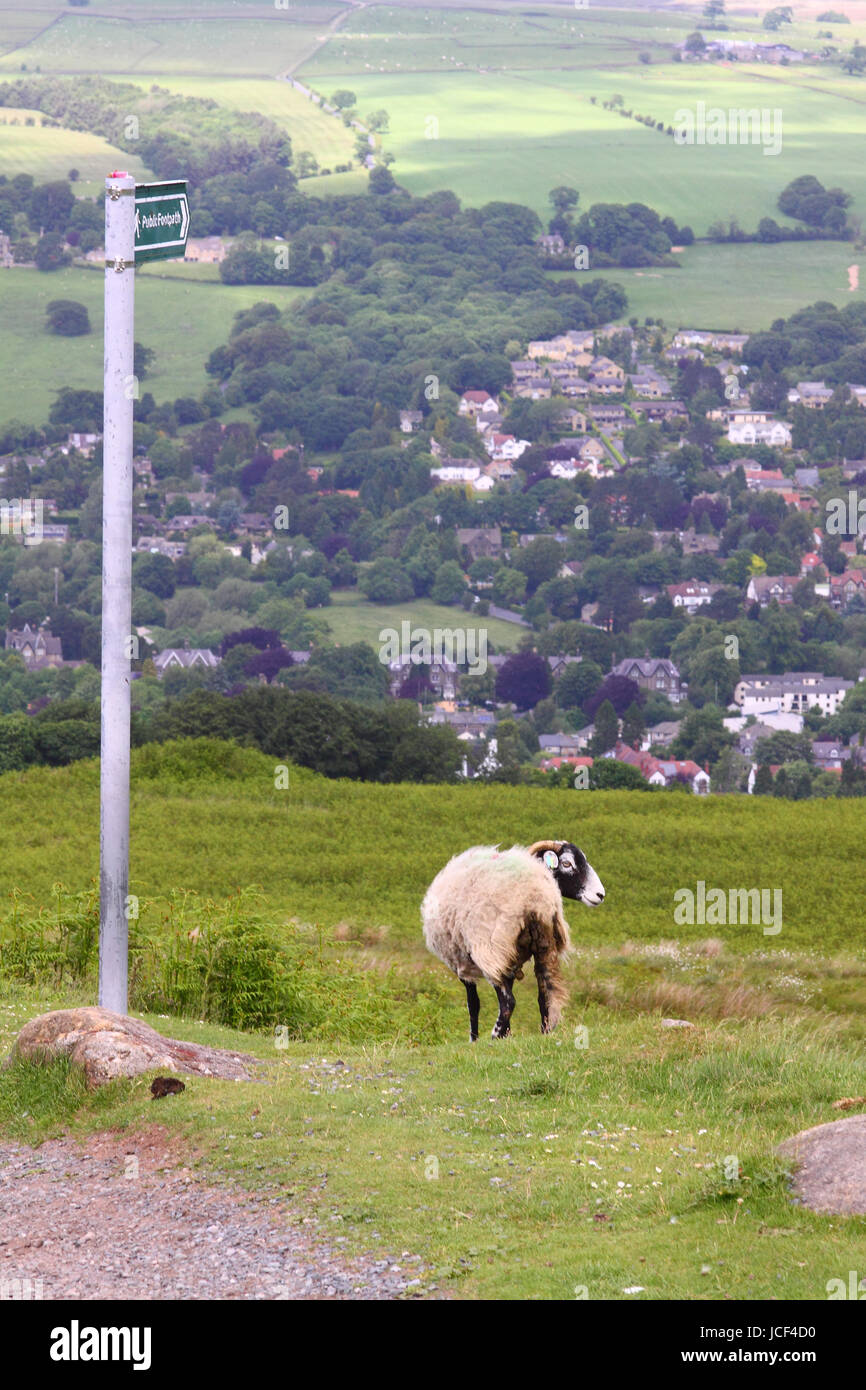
161	220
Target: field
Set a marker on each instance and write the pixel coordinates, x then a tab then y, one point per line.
183	318
49	153
625	1156
741	287
352	619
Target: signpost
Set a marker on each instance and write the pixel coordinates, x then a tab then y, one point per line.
143	222
161	221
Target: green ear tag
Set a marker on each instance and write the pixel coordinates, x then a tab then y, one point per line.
551	859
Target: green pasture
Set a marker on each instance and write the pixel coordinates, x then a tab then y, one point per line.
614	1159
310	128
180	315
352	618
49	153
741	287
193	39
237	830
519	134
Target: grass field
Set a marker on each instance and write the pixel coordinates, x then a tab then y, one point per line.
740	287
612	1155
309	127
182	317
352	619
50	152
262	41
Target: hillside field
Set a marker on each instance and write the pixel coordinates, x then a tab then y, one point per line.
178	313
611	1156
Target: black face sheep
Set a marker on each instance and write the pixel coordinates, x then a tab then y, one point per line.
489	910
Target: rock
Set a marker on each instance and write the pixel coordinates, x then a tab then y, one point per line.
831	1166
109	1045
676	1023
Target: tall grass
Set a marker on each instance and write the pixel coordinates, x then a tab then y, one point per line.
224	962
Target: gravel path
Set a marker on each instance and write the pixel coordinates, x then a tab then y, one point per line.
80	1219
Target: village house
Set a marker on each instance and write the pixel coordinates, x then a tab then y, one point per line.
649	385
607	414
477	403
482	542
692	594
657	412
158	545
657	675
534	388
844	588
793	692
664	772
206	250
442	674
661	735
505	446
776	433
459	475
694	543
814	395
410	420
36	646
190	522
185	658
707	338
764	588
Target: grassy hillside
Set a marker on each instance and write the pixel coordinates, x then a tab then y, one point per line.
352	618
732	286
49	153
178	313
217	832
615	1159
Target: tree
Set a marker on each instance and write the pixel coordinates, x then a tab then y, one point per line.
523	680
578	682
784	746
729	771
386	581
378	119
449	586
775	18
49	252
608	774
695	43
606	730
633	726
156	573
619	691
763	784
343	99
702	736
67	318
563	199
381	180
73	176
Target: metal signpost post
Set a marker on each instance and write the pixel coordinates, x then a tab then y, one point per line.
144	222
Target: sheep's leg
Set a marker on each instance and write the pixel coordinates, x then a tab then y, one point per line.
543	1001
474	1004
552	995
502	1026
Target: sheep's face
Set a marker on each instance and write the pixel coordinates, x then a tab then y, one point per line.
575	876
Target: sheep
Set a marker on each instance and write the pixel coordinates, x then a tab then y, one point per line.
489	910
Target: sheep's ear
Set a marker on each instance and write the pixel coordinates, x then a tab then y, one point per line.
551	859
